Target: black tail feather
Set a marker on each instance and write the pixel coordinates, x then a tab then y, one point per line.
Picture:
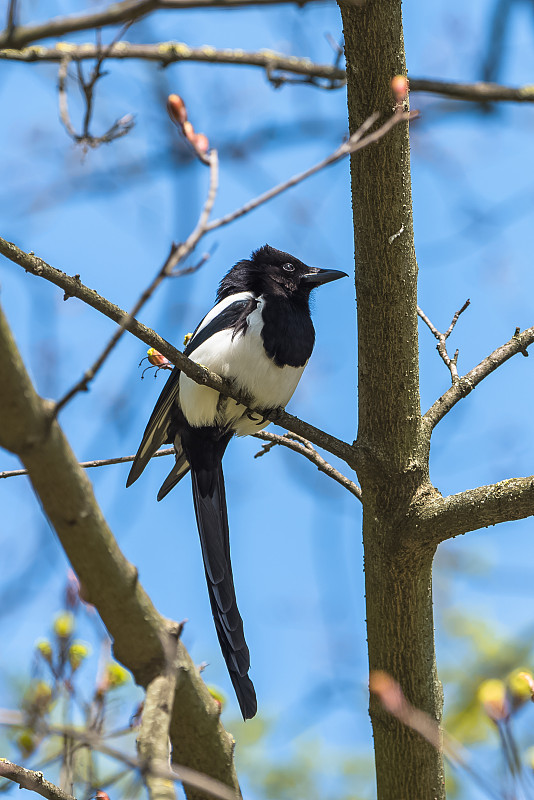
210	508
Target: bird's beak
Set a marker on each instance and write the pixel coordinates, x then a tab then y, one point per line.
316	276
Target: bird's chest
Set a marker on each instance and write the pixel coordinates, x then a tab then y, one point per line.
262	362
265	358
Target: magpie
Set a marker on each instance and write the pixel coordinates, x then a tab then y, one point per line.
259	334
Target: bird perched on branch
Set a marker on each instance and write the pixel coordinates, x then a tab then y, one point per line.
259	334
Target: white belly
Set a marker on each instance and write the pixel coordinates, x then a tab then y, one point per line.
242	359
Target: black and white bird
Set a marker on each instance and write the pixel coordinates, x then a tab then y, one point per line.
259	334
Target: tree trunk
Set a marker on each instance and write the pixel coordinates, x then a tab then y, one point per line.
392	446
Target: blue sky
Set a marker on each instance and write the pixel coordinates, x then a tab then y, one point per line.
110	216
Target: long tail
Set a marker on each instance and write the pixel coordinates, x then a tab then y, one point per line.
210	508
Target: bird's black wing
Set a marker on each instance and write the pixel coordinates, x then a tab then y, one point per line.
233	316
210	508
156	431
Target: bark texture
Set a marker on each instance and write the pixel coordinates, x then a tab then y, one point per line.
392	444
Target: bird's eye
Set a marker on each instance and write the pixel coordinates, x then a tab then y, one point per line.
288	267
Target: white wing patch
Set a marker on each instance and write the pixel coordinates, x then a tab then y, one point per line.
243	359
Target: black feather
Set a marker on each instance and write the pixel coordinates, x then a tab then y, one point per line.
234	316
210	508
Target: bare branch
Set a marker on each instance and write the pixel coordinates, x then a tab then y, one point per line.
296	443
300	445
140	634
478	92
153	742
117	13
443	518
463	386
102	462
451	363
73	287
276	65
32	781
64	115
176	255
357	141
119	128
455	318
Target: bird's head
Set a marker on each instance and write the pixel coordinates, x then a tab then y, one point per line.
272	271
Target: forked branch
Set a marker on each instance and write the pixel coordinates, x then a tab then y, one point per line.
300	445
450	363
519	343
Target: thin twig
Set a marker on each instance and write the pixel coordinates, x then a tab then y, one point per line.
450	363
463	386
357	141
455	318
101	462
64	115
294	442
301	445
120	127
178	253
178	773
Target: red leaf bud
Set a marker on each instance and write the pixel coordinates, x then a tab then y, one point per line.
201	143
399	87
176	108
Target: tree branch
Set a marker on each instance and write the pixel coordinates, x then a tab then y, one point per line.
73	287
119	128
275	64
117	13
442	518
140	634
102	462
153	737
300	445
463	386
450	363
478	92
177	254
32	781
166	53
296	443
